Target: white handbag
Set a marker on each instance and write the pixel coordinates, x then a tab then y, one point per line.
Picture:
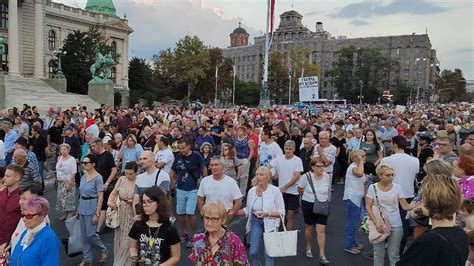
112	216
281	244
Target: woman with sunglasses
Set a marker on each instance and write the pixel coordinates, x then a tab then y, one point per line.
217	245
91	195
38	244
154	240
389	197
318	189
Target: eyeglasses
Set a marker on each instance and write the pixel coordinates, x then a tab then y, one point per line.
318	165
214	220
390	174
84	163
28	216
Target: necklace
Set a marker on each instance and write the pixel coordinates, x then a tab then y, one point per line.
151	240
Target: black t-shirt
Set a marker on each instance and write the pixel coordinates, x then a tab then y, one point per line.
424	155
55	134
39	144
342	151
281	140
75	146
154	243
105	162
443	246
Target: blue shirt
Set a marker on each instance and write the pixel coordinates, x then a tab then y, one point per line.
89	189
188	170
42	251
242	148
131	155
200	140
9	141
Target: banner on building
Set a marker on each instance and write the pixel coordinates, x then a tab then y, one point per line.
308	88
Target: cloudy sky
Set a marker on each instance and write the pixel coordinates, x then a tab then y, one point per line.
159	24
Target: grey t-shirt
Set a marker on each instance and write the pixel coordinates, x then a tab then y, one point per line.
146	180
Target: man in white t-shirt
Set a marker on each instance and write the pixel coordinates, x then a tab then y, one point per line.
220	187
287	169
164	157
405	168
151	177
327	152
267	149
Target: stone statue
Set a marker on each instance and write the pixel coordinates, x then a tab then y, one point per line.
2	46
101	70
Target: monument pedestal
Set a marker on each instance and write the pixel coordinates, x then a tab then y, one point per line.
102	93
2	90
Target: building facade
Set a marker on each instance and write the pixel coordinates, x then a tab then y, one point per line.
418	65
36	29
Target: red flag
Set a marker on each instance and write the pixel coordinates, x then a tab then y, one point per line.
272	19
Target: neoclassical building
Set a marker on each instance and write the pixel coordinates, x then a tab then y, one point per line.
35	29
419	66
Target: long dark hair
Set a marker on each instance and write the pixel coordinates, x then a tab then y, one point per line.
377	144
163	209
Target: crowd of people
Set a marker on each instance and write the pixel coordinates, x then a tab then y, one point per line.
407	175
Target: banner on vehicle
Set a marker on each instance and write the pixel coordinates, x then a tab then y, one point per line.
308	88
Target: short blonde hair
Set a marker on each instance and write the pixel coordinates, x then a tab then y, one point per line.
356	153
215	205
441	196
381	168
266	171
438	167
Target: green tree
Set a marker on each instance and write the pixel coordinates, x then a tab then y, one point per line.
247	93
278	77
80	55
452	86
140	78
298	60
343	73
191	62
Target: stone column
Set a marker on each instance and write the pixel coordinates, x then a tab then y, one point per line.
125	63
39	40
13	39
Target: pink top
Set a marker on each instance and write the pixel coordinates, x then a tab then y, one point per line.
467	187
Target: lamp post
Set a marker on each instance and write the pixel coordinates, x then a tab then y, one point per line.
233	86
418	79
333	90
360	94
433	66
59	71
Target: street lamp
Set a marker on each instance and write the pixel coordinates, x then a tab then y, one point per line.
333	90
59	72
360	95
434	81
418	79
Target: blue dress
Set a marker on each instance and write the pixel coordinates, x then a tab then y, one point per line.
87	207
43	249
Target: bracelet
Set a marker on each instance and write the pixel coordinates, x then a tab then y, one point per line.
98	215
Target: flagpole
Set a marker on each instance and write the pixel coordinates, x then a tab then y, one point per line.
264	97
289	91
233	88
215	95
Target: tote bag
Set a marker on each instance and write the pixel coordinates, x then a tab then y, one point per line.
74	243
112	216
281	244
381	215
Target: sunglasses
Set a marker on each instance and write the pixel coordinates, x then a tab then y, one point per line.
28	216
84	163
318	165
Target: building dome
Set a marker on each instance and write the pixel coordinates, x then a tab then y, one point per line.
239	30
105	7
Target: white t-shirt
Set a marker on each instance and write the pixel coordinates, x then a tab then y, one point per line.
146	180
225	190
321	188
65	168
268	152
354	186
2	150
330	154
405	168
285	168
167	157
389	201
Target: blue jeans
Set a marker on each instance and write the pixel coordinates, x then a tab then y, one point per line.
353	215
256	235
41	169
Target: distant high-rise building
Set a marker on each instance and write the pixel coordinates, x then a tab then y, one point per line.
291	32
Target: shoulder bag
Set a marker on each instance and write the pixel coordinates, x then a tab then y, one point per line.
319	207
281	244
112	216
380	214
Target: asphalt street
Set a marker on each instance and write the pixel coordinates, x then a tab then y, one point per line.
334	237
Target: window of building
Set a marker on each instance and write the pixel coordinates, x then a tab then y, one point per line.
288	18
52	69
325	84
113	75
52	40
4	16
398	51
114	46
